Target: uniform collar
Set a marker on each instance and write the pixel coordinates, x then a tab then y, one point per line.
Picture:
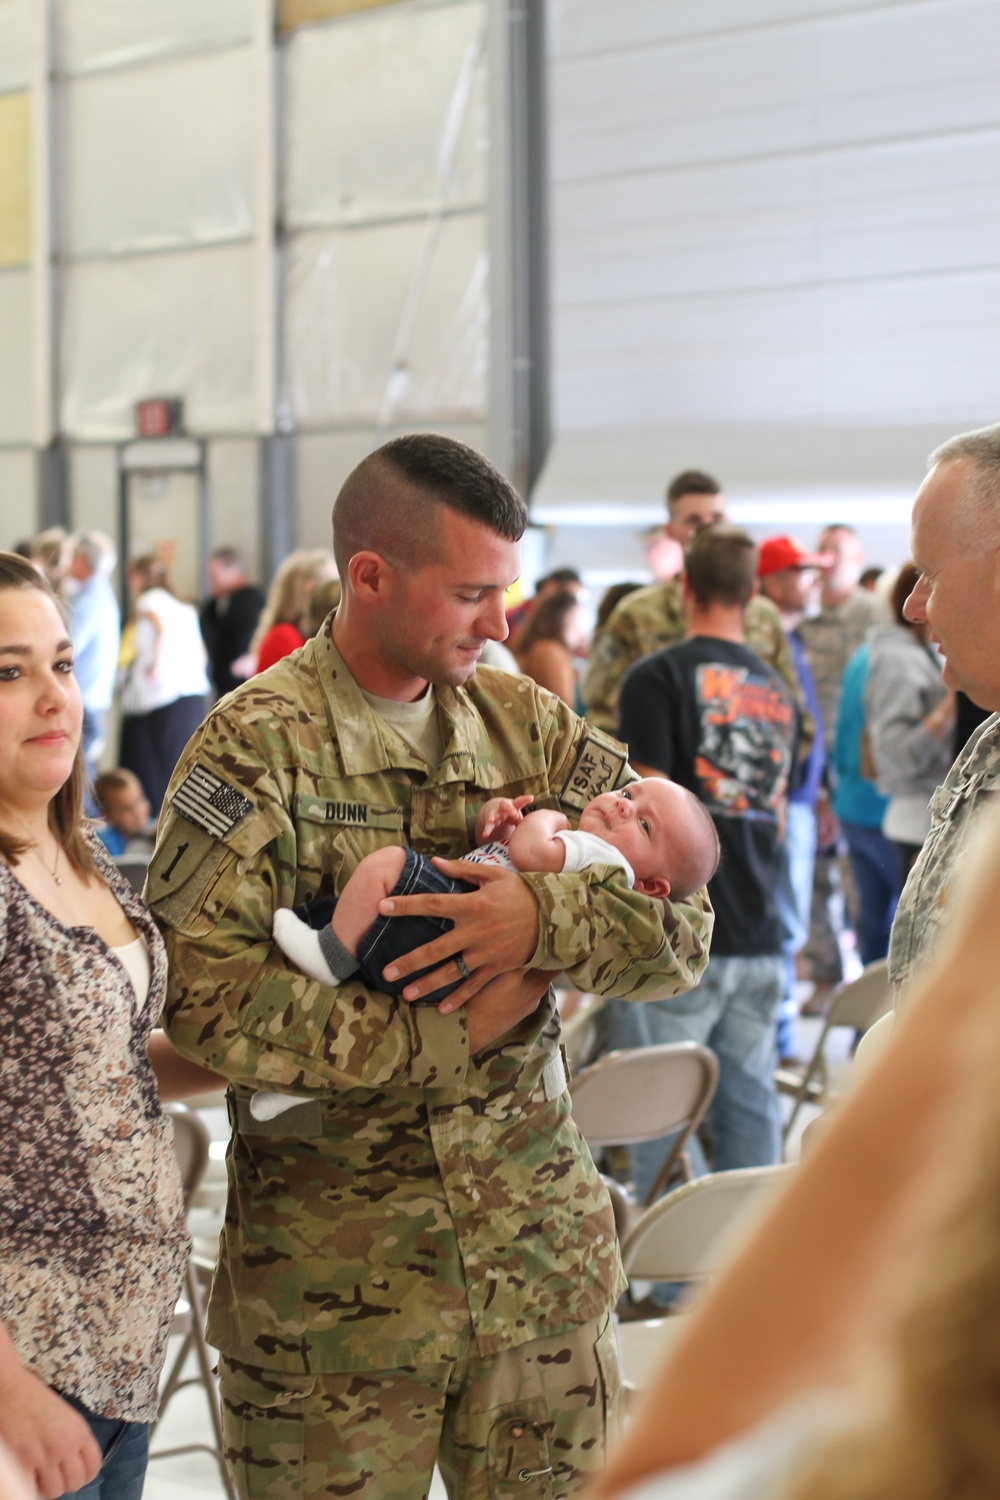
468	755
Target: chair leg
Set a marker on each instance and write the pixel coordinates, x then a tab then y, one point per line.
205	1369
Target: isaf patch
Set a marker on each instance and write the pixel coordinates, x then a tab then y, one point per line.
210	803
596	770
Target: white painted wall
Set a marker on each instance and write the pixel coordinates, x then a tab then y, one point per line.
776	250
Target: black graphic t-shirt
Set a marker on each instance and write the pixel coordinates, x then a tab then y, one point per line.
714	717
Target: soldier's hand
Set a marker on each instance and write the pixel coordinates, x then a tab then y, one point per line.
495	931
502	1004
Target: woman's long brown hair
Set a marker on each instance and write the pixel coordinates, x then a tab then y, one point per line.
66	808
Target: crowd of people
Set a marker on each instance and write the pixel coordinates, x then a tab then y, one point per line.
374	855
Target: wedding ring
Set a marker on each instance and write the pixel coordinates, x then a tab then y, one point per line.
462	966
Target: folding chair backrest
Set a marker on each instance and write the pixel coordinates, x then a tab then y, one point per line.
695	1230
191	1142
641	1093
862	1001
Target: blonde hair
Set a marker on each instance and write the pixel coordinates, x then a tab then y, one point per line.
66	808
288	597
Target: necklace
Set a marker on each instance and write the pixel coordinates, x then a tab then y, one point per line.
36	850
54	872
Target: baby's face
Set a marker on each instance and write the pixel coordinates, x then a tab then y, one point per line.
641	822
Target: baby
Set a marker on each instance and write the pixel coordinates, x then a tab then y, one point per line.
654	830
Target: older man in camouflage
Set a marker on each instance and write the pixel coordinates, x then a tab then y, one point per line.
419	1260
956	544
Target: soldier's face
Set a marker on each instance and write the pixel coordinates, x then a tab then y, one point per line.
690	513
957	594
435	619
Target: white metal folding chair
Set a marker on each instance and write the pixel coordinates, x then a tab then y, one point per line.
689	1235
191	1141
858	1004
642	1093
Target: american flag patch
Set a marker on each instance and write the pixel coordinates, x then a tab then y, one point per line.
210	803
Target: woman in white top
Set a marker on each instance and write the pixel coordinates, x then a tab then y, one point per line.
164	692
92	1235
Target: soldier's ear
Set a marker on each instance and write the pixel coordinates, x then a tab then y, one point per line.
367	572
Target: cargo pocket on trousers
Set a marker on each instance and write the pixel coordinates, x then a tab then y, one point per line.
520	1467
263	1428
609	1367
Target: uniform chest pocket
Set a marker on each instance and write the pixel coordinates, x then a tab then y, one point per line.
336	832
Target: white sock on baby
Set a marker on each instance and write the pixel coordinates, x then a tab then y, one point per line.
308	947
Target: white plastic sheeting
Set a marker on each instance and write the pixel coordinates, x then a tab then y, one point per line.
386	115
114	33
160	156
362	344
15	45
15	357
179	323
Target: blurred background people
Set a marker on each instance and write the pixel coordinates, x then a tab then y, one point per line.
228	616
95	625
831	636
124	807
281	628
164	692
910	717
788	575
860	808
559	581
550	641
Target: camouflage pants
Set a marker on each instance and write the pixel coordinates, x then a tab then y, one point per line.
531	1423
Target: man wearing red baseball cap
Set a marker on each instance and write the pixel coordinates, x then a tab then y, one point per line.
787	574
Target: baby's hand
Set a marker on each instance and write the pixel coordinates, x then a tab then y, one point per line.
500	817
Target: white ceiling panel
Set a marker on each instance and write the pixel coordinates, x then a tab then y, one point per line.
885	74
581	27
916	350
835	215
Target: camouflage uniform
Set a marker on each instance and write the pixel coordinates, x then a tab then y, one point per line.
653	617
923	906
420	1207
831	639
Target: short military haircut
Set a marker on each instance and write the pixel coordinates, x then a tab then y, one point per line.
691	482
721	566
389	503
981	495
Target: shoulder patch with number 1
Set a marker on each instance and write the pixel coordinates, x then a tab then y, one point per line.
596	770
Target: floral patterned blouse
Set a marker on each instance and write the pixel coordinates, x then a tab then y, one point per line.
93	1241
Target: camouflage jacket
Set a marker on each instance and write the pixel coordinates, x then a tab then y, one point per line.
831	639
415	1187
653	617
923	906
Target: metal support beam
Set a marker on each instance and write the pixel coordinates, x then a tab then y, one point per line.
519	403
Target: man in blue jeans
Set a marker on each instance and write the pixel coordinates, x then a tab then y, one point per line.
712	716
787	574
